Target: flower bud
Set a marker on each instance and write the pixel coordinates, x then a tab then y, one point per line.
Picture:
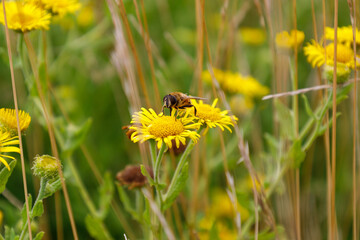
342	73
46	166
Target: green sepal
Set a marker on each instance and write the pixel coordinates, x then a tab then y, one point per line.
5	174
177	187
52	186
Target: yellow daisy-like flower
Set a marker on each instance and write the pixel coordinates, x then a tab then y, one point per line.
150	125
286	40
316	54
253	36
236	83
212	116
344	35
61	7
6	142
25	16
8	119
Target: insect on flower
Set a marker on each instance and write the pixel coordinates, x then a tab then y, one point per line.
179	100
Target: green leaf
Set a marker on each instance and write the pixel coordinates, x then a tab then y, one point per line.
286	120
23	211
39	236
147	175
52	186
296	154
106	193
126	202
10	233
74	136
38	209
307	107
177	187
95	228
5	174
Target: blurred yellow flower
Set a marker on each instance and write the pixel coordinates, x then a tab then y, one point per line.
25	16
6	142
86	15
236	83
149	125
212	116
1	218
241	105
344	35
316	54
253	36
285	40
61	7
8	119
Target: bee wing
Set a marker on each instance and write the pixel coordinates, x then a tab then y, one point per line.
199	98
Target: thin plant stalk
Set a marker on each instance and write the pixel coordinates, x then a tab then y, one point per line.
33	63
133	49
333	143
352	6
13	85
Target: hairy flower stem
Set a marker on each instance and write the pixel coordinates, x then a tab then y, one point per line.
40	196
157	165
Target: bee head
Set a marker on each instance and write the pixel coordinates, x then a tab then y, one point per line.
169	101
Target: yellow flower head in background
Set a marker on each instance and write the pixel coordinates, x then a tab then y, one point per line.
212	116
61	7
236	83
253	36
25	16
344	35
316	55
6	142
147	124
8	119
285	40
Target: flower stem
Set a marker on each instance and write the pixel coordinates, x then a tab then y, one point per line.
40	196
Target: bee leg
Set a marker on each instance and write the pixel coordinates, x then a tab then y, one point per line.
162	109
194	111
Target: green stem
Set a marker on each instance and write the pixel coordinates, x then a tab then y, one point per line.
40	196
158	162
181	163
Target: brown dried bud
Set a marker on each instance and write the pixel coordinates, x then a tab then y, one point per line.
177	151
133	177
128	131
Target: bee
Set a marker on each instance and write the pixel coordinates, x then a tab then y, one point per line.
178	100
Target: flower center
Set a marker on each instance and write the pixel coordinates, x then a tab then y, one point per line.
166	126
207	112
344	54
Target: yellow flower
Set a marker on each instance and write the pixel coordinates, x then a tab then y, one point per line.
241	105
236	83
286	41
5	147
25	16
150	125
86	15
253	36
61	7
8	119
1	218
316	54
212	116
344	34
